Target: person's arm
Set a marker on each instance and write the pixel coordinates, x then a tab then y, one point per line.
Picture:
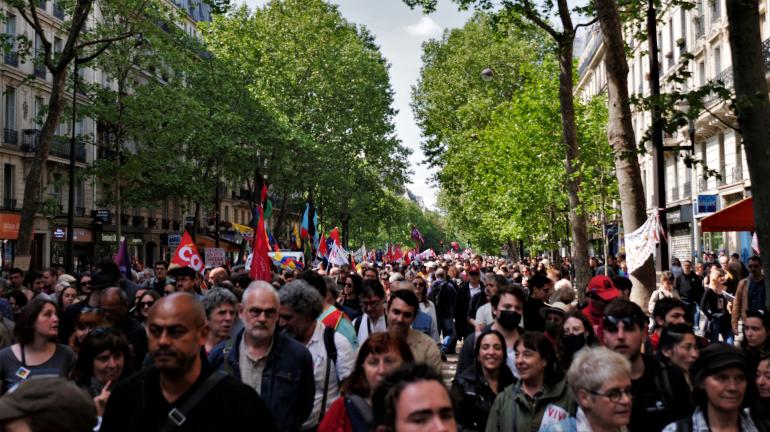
306	395
738	305
705	303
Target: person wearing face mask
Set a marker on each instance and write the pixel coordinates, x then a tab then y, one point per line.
507	306
476	388
379	355
576	334
553	316
540	397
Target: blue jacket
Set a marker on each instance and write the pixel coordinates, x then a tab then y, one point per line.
288	386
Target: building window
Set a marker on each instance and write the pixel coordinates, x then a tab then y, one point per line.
717	61
9	185
722	173
10	108
715	9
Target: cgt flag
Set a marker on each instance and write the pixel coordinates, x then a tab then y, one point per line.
186	255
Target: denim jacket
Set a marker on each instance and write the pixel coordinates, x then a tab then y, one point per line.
288	386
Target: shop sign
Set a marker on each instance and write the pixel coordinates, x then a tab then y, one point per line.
109	237
101	216
215	257
80	235
9	226
136	241
174	240
707	204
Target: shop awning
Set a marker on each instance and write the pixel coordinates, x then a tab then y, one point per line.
203	242
737	217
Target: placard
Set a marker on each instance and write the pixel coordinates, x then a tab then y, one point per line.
215	257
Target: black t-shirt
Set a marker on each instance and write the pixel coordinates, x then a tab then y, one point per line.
690	287
533	321
137	404
660	397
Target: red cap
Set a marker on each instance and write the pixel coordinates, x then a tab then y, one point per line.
473	269
603	287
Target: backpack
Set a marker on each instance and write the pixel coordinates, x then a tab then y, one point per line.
331	356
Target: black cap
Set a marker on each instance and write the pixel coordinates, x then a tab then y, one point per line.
104	280
183	271
717	357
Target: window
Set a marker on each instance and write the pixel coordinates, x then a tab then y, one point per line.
56	192
10	26
39	109
738	170
683	28
701	73
722	173
9	184
80	193
717	61
715	9
10	108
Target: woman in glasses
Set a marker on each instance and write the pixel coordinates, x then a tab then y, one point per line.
600	379
84	283
146	301
426	306
540	396
714	306
36	351
720	385
351	292
104	359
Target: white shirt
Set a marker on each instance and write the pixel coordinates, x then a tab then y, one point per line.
484	315
378	326
474	290
340	371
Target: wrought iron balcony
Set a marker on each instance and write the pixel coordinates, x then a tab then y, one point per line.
29	139
726	78
9	204
11	58
10	137
60	146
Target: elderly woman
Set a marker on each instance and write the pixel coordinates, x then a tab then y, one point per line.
720	386
540	396
600	379
220	306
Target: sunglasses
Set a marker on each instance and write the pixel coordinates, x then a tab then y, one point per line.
610	323
348	285
146	304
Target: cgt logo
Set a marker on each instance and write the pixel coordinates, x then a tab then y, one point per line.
191	257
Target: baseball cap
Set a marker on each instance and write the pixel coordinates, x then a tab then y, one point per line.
50	400
603	287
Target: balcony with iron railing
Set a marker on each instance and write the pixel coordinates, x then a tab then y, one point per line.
11	58
725	78
60	145
9	204
10	137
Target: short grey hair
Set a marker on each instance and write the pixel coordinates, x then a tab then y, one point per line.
260	285
215	298
302	297
440	273
592	367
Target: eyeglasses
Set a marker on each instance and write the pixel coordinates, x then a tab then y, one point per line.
610	323
348	285
90	309
85	283
256	312
614	395
146	304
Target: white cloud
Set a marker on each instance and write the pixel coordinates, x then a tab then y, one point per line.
425	27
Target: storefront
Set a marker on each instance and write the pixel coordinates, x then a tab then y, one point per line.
9	233
679	219
83	247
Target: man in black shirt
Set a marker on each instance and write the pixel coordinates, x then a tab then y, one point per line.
659	394
177	333
689	285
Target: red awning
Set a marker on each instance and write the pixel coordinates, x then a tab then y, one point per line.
737	217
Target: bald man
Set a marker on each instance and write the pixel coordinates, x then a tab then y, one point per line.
114	303
179	376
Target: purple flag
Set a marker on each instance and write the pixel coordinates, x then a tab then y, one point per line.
123	259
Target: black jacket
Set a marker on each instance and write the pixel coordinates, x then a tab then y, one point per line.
689	287
443	294
475	398
660	396
137	404
462	307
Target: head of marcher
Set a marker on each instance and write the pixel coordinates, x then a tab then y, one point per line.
220	306
508	306
536	363
554	317
47	404
413	399
104	356
379	355
176	332
755	267
720	382
301	304
186	279
373	298
402	310
669	310
678	345
624	327
114	303
599	292
540	287
756	326
600	380
259	312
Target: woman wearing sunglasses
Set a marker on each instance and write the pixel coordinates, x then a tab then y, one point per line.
146	301
104	359
600	379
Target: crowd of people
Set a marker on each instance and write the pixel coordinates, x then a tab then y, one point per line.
364	348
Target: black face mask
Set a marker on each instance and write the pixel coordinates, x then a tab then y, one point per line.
509	319
573	343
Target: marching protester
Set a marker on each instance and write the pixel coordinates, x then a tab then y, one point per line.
374	319
576	334
180	381
756	343
678	348
715	306
402	310
220	306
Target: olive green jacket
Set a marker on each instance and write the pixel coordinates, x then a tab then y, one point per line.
528	413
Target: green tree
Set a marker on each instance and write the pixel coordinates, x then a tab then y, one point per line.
326	79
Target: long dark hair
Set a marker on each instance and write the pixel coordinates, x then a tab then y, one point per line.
25	323
765	318
377	343
538	342
565	357
477	345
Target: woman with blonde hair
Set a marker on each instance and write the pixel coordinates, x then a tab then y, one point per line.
714	306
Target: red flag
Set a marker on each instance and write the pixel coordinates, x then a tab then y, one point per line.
388	257
323	251
407	260
335	234
186	254
260	260
263	194
397	254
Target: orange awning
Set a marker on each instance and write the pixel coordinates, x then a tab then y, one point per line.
737	217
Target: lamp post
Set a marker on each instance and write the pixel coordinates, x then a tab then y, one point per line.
68	258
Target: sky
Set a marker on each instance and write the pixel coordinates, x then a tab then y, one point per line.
400	33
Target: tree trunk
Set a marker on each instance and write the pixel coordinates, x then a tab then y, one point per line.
753	112
620	133
574	179
34	181
513	252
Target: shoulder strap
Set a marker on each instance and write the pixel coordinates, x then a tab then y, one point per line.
225	353
331	356
357	323
177	416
